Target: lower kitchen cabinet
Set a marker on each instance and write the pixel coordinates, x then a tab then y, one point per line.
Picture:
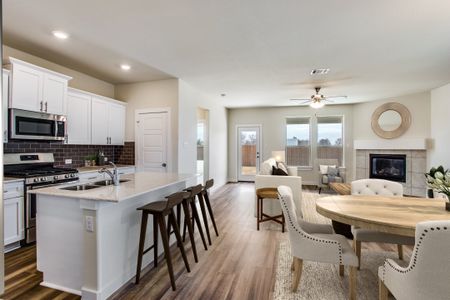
13	204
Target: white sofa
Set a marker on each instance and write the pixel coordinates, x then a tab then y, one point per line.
293	181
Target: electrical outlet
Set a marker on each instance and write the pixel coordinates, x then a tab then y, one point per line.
90	223
68	161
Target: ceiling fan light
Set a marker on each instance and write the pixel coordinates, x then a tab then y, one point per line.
317	104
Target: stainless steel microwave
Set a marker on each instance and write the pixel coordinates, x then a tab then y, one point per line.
29	125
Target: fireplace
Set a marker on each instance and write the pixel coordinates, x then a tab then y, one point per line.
387	166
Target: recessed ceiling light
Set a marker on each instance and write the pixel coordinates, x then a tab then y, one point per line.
223	95
125	67
60	34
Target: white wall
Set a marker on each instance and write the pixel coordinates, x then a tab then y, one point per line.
151	94
189	100
440	130
417	104
273	121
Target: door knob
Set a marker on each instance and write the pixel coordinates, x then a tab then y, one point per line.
164	165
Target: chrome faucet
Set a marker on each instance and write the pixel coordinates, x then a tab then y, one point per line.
114	174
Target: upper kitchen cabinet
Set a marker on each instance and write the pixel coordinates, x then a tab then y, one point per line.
78	117
37	89
5	94
108	121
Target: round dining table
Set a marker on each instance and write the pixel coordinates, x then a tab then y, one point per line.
396	215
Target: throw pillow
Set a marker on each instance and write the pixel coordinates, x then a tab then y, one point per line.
281	165
266	169
324	169
333	171
278	172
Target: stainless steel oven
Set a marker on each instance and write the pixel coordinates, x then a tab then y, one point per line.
29	125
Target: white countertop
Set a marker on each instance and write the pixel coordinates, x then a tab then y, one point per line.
140	183
7	179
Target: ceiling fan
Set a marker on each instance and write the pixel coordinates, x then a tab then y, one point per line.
317	100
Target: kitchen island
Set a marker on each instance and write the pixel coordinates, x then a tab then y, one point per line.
87	240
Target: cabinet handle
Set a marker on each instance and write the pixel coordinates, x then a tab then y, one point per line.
46	106
42	103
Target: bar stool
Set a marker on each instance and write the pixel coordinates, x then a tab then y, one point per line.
194	190
159	210
267	193
205	194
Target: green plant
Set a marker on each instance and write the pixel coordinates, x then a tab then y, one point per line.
438	179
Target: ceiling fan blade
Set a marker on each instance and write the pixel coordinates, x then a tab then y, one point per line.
301	101
327	100
335	97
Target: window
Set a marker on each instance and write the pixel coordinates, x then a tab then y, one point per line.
298	142
330	140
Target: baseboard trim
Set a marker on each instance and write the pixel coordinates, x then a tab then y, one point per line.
60	288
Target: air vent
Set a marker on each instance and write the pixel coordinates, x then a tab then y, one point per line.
320	71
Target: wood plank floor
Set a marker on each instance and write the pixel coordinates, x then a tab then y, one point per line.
240	264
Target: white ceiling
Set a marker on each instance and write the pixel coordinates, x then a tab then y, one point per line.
258	52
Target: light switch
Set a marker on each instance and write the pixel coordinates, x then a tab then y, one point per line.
90	223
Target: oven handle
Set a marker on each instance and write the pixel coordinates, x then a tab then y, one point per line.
31	187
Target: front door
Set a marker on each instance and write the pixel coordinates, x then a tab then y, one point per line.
248	152
152	141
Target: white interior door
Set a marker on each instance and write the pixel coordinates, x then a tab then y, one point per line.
152	136
248	152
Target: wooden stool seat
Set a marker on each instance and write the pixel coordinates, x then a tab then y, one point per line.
267	193
154	207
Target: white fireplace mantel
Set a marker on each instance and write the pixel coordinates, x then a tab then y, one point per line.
395	144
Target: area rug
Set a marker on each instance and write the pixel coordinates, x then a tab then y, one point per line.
322	281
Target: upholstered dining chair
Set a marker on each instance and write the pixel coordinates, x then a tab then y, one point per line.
324	247
426	276
378	187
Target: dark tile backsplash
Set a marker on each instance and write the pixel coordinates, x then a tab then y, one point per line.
118	154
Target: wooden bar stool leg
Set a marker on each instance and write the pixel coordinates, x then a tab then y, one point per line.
178	236
141	246
187	216
197	220
155	241
205	217
211	215
258	208
165	240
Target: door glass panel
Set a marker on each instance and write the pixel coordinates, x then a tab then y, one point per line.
248	152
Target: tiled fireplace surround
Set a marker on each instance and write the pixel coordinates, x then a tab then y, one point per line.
416	163
118	154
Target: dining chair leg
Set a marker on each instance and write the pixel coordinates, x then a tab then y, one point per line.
211	214
176	230
400	252
187	216
165	240
141	246
298	266
357	249
341	270
199	225
205	217
383	292
352	283
292	265
155	241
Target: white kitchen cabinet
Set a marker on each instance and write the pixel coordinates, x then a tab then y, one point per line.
108	122
13	207
37	89
55	94
5	93
100	121
78	117
116	121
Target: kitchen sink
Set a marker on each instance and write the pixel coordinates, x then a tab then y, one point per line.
108	182
81	187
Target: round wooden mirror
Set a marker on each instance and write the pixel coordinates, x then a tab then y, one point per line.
391	120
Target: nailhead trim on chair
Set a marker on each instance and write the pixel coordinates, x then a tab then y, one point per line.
294	225
416	252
